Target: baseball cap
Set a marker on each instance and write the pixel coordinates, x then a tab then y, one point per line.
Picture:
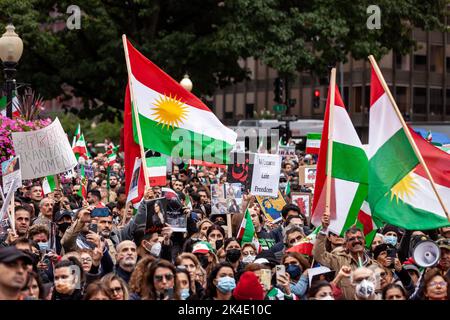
443	243
62	214
202	247
11	253
412	267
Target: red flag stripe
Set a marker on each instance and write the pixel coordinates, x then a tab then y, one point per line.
376	89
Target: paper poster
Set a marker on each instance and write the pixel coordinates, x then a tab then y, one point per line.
44	152
4	216
175	216
266	175
307	174
226	198
240	170
303	201
272	206
11	171
156	215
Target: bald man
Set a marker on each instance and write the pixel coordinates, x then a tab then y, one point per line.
126	258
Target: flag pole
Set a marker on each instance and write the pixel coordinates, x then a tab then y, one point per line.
330	140
408	134
136	115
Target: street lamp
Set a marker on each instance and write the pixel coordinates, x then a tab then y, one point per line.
186	83
11	48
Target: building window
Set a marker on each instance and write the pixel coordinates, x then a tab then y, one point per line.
357	99
437	59
420	100
249	109
420	63
346	98
447	59
436	103
402	99
447	102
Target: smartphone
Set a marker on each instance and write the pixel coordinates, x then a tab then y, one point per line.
93	227
280	270
266	278
100	212
391	253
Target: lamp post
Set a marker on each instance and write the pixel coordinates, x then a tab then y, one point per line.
186	83
11	48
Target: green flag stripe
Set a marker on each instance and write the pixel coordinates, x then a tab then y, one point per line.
314	136
349	163
360	196
155	162
165	141
405	216
392	161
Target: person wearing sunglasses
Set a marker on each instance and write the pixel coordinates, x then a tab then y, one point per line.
354	254
160	282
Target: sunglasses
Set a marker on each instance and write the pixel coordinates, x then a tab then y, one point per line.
116	289
168	277
294	240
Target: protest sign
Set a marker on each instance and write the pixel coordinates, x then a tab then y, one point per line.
226	198
156	215
44	152
175	216
11	171
266	175
218	201
5	219
272	207
233	196
303	201
286	151
307	174
240	170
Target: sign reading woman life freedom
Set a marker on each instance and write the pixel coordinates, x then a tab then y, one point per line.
44	152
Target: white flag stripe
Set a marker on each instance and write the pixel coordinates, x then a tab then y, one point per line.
197	120
384	123
345	134
344	201
156	171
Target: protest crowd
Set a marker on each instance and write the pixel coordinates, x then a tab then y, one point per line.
100	248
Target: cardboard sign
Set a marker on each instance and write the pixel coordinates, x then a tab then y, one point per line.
44	152
266	175
272	207
307	174
241	169
11	171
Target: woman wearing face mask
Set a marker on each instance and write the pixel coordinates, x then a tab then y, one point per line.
233	255
248	253
215	236
183	279
68	279
190	262
221	283
321	290
295	263
205	255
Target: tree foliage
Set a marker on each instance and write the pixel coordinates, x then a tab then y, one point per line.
202	37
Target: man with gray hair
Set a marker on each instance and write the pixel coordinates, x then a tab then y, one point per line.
45	212
126	258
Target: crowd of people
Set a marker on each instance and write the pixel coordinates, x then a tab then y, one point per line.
59	250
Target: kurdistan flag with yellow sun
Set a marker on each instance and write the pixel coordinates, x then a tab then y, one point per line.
173	121
399	190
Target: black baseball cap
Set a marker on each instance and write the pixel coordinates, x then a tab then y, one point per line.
11	254
62	214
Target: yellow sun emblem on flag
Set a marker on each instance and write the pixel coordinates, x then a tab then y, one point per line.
404	188
169	111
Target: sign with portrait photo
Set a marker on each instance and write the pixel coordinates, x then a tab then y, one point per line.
307	174
156	215
10	172
303	201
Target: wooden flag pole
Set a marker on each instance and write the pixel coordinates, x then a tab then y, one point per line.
330	140
12	213
136	115
408	134
229	228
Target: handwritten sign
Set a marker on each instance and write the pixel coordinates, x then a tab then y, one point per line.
44	152
266	175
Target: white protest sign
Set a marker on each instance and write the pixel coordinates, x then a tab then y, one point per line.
7	202
266	175
11	171
44	152
133	192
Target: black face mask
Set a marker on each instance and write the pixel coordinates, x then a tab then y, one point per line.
219	244
233	255
203	261
64	226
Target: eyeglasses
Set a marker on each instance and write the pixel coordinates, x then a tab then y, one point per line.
86	260
168	277
117	289
438	283
294	240
383	274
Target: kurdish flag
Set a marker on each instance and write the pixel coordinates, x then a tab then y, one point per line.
49	184
157	170
313	143
399	190
172	120
247	232
348	173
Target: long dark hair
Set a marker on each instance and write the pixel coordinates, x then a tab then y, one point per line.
33	275
316	286
148	288
211	290
215	227
393	286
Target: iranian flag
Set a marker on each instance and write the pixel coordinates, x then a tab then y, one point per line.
172	120
348	170
111	155
305	246
83	183
76	136
80	149
157	170
15	105
49	184
247	232
399	191
313	143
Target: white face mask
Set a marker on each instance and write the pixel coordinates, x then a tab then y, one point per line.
248	259
365	289
156	249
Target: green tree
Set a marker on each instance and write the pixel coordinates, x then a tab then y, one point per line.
205	38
